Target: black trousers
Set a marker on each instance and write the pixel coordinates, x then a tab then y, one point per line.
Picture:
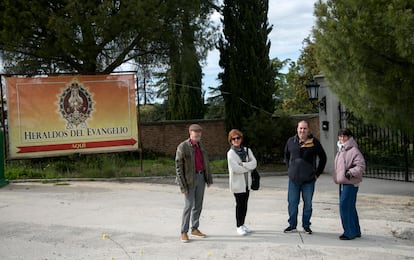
241	207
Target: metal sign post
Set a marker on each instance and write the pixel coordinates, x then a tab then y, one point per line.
3	180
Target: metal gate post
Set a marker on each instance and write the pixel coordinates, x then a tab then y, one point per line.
406	145
3	180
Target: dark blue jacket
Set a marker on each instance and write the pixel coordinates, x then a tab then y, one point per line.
301	159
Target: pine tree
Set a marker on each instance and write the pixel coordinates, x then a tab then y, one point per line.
83	36
366	51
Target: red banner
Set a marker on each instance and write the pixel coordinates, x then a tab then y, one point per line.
74	146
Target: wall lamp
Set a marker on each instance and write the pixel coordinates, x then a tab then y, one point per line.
312	88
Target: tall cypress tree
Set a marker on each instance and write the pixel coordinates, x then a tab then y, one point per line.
247	82
185	95
190	38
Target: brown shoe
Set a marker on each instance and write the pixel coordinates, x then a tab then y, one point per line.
197	233
184	238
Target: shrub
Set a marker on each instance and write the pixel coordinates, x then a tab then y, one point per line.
267	136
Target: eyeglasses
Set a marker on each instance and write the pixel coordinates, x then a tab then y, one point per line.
236	138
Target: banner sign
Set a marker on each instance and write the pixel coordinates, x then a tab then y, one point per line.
62	115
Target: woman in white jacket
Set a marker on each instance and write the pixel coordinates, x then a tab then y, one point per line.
241	162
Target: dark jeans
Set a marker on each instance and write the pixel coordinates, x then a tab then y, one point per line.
347	208
241	207
294	192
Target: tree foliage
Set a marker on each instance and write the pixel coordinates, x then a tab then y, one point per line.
89	37
215	104
147	67
153	112
296	100
247	82
366	51
83	36
185	96
267	135
280	83
192	35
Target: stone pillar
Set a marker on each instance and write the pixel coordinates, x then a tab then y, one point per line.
328	121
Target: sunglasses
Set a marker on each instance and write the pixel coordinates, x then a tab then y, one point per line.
236	138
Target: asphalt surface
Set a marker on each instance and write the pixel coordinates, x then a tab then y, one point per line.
140	219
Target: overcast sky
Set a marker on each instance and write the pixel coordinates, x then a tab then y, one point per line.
292	22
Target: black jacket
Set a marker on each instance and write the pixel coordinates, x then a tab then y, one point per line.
301	159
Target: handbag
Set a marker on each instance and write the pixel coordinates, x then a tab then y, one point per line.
255	180
255	177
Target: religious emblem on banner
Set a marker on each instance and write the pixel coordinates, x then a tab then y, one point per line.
75	105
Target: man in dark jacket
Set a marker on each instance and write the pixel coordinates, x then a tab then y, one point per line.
301	152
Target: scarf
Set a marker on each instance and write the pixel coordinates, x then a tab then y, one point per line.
308	143
241	152
339	145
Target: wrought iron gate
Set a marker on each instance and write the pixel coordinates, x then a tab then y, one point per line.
388	154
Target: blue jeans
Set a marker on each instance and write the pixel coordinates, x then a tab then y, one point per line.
347	209
294	191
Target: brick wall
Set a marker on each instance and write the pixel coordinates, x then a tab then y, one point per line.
164	136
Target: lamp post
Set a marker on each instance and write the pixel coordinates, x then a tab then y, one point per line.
313	88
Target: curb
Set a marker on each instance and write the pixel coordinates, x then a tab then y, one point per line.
130	179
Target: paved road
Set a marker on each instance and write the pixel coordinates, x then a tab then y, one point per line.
140	219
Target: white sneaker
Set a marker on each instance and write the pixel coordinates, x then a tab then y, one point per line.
246	229
241	231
